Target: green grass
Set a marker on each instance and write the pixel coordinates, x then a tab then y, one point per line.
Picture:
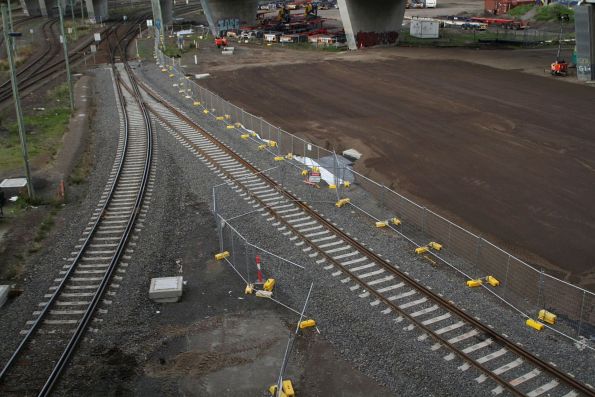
44	131
521	10
552	13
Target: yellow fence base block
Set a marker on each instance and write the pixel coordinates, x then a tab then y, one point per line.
289	156
435	245
220	118
332	186
288	388
230	127
227	117
269	284
304	172
279	158
342	202
249	289
381	224
222	255
262	147
395	221
273	391
244	136
206	111
272	144
164	70
421	250
315	169
346	184
196	103
253	134
493	281
307	324
238	125
548	317
474	283
534	324
264	294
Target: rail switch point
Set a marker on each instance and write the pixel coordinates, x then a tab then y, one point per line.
166	289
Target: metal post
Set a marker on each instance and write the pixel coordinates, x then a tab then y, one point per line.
73	22
66	61
17	101
580	318
10	25
506	276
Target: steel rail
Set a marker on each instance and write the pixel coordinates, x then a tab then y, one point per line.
82	325
537	362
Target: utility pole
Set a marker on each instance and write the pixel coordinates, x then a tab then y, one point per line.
73	21
17	100
10	26
68	76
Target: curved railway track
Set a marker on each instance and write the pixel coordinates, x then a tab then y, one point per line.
62	320
496	357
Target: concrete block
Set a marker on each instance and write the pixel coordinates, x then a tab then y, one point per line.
4	289
166	289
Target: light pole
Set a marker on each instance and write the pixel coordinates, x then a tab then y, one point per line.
8	38
66	61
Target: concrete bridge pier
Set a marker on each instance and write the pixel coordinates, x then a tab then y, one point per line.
369	24
97	10
584	20
31	8
224	15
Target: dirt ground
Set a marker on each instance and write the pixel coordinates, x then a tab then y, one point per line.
482	136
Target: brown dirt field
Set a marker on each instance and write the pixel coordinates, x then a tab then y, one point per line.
511	155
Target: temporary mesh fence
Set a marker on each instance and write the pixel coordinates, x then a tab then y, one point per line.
527	288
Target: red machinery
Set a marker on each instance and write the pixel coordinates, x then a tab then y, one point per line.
503	22
220	42
559	68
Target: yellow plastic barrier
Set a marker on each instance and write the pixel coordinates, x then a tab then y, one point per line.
196	103
474	283
230	127
435	245
288	388
493	281
315	169
238	125
206	111
381	224
421	250
304	172
220	118
272	143
347	184
548	317
253	134
395	221
222	255
534	324
249	289
307	324
244	136
262	147
273	388
342	202
332	186
269	284
279	158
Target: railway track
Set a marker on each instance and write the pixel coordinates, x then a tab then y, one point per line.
70	305
495	357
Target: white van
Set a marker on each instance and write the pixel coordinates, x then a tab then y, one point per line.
430	3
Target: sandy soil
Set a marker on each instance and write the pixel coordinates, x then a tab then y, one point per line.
506	153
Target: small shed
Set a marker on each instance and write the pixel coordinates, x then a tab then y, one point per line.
424	28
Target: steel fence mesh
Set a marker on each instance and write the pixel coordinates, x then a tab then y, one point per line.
522	285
